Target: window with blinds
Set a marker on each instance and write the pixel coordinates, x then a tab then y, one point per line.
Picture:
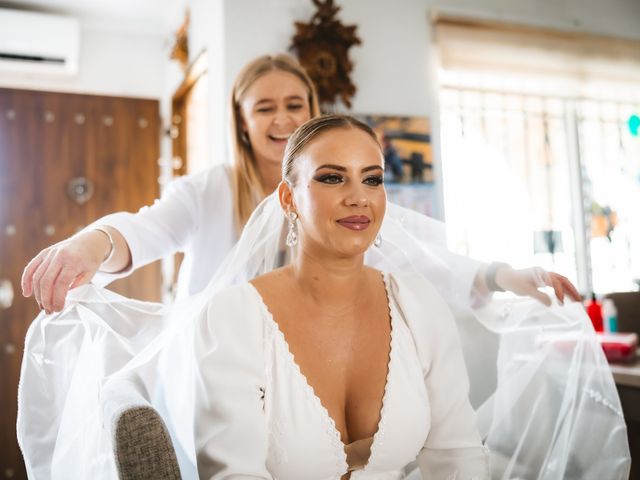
540	156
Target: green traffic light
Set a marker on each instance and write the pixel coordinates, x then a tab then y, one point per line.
634	124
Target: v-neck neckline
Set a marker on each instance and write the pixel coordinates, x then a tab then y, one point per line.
324	412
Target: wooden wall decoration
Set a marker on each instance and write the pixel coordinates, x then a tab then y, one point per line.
322	46
180	49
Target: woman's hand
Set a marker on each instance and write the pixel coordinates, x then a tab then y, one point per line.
527	281
63	266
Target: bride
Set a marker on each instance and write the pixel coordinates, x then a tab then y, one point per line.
326	366
331	366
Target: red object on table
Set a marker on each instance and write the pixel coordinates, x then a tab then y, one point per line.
594	310
619	347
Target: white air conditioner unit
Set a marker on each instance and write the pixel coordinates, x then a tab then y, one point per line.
38	43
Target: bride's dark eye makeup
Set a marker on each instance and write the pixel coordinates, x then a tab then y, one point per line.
374	180
334	179
330	178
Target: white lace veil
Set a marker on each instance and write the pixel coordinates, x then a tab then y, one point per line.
545	397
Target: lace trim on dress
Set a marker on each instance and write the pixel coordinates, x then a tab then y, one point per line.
378	437
278	450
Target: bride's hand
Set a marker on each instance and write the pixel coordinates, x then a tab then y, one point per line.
65	265
527	281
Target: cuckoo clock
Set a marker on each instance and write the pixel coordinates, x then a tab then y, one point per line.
322	46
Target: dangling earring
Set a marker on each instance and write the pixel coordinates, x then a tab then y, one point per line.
378	241
292	236
244	137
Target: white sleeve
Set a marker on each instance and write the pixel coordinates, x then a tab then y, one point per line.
157	230
453	448
230	423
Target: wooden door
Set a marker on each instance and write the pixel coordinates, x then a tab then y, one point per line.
46	140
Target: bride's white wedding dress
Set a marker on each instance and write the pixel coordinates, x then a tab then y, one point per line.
275	425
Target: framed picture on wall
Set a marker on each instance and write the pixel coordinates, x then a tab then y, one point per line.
407	147
406	142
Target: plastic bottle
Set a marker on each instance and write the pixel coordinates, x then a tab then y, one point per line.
610	315
594	310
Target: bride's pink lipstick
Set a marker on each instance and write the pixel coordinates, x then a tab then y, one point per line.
355	222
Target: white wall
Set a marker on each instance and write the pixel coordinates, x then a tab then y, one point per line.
110	63
390	66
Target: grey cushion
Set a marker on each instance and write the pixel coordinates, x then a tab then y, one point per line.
143	447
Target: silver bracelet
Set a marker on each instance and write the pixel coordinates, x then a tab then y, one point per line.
112	250
490	276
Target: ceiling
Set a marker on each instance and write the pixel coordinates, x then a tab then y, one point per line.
142	16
